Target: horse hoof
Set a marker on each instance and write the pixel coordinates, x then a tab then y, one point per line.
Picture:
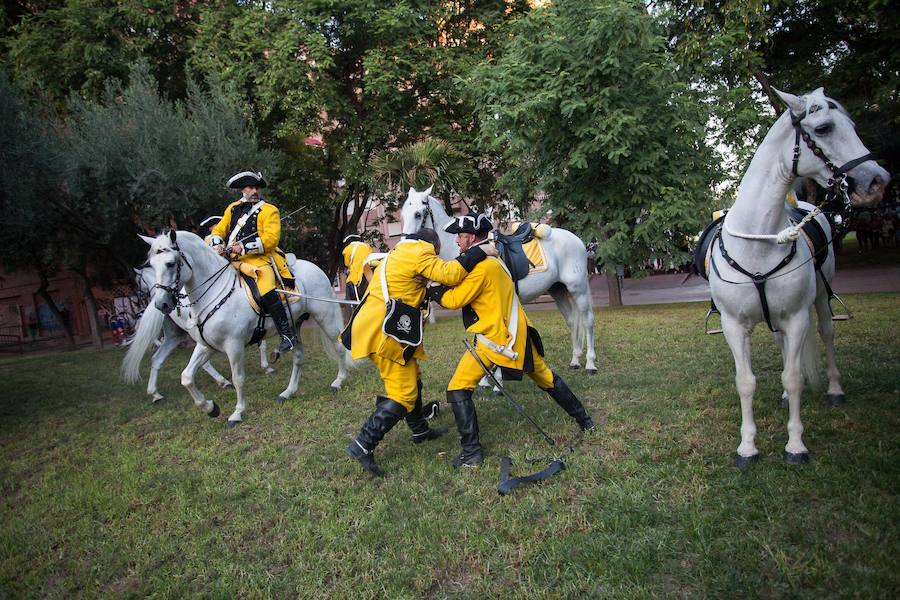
157	398
836	399
214	412
231	424
280	399
334	390
269	371
591	371
742	462
227	386
801	458
574	367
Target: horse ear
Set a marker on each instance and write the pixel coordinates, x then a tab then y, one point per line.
149	240
795	103
428	191
173	236
412	191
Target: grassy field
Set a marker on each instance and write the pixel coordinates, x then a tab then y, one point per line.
104	494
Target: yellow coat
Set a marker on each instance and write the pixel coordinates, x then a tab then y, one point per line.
258	249
409	264
355	254
486	297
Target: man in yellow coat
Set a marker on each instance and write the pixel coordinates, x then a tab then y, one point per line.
504	336
249	232
403	273
355	253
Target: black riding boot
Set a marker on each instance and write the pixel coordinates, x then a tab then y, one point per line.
387	414
569	403
467	424
272	304
421	431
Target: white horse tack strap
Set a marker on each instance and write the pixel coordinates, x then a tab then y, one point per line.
786	235
308	297
236	228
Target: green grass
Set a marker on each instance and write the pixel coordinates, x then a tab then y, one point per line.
104	494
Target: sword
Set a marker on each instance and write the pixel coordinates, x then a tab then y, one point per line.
506	394
308	297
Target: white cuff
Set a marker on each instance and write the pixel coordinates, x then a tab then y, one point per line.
215	240
254	246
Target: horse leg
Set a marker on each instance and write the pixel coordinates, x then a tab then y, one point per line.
738	338
342	365
585	316
565	303
779	339
264	358
217	377
235	352
170	342
795	331
294	382
835	394
200	356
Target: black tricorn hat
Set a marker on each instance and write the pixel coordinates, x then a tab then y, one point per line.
471	223
245	178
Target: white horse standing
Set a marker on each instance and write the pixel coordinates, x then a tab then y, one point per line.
754	250
224	320
565	278
175	330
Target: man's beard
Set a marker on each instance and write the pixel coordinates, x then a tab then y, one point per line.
250	197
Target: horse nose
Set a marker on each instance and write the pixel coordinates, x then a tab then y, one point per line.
164	305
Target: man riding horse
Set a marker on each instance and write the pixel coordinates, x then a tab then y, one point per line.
250	231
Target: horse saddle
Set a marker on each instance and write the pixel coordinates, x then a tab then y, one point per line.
512	251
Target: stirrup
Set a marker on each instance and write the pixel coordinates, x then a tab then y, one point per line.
846	316
709	315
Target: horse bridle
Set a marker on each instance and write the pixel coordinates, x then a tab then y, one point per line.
837	184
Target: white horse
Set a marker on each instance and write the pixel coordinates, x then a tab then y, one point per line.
175	331
759	274
565	278
223	319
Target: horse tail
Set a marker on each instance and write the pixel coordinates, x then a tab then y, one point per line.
809	355
149	328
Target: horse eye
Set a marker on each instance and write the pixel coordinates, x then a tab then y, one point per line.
824	129
418	215
170	265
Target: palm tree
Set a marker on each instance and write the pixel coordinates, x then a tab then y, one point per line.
421	164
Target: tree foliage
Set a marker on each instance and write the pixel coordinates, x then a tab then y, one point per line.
585	106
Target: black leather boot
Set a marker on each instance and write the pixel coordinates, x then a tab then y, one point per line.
416	420
272	304
569	403
467	425
387	414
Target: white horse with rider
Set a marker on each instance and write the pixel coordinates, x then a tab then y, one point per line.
760	272
223	319
175	331
564	277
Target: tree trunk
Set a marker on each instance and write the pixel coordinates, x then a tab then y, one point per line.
615	292
91	304
51	304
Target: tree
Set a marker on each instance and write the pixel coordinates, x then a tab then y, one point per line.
29	157
421	165
61	47
366	76
737	49
585	106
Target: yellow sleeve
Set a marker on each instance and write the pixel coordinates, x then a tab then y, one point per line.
465	292
444	272
268	226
